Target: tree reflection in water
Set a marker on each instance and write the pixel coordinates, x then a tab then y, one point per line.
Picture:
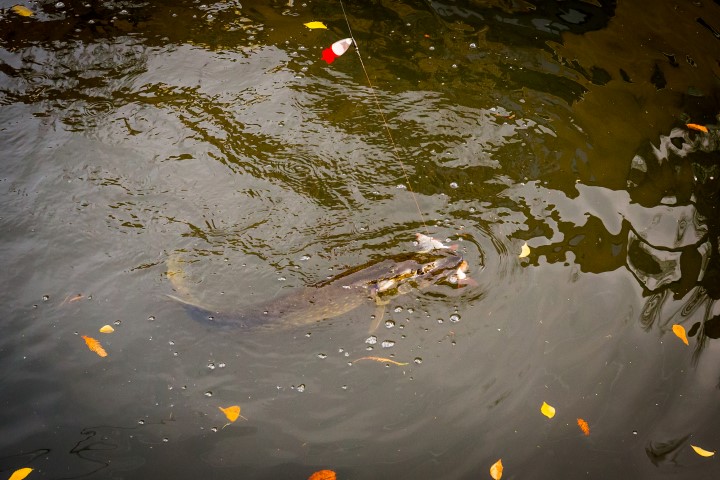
677	252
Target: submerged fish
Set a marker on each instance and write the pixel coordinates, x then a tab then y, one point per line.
376	282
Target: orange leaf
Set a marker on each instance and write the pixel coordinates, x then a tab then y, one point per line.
382	360
584	426
496	470
679	331
95	346
323	475
699	128
20	474
232	413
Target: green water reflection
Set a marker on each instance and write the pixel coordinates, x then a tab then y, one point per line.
213	132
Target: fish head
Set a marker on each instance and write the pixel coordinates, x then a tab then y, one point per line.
420	271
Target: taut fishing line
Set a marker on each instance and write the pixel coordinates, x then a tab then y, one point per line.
395	149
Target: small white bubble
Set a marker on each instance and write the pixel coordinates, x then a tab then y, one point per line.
473	45
322	356
417	360
59	5
389	323
208	394
301	388
432	48
151	318
371	340
453	185
454	318
388	343
211	366
398	309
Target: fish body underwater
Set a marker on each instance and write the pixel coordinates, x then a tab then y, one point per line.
372	282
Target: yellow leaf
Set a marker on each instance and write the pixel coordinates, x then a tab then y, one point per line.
95	346
22	11
107	329
232	413
24	472
313	25
496	470
702	452
524	251
547	410
679	330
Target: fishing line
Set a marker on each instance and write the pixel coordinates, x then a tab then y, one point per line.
395	149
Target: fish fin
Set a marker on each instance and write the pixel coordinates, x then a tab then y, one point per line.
379	314
467	281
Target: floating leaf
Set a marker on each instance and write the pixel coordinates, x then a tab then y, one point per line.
699	128
679	331
524	251
496	470
314	25
72	298
232	413
702	452
382	360
23	12
95	346
106	329
584	426
323	475
24	472
547	410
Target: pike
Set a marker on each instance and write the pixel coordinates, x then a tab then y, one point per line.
376	282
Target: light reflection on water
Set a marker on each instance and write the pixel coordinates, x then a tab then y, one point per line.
214	133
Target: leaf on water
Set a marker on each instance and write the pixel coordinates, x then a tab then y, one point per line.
695	126
106	329
314	25
679	331
547	410
232	413
584	426
524	251
24	472
95	346
702	452
22	11
382	360
323	475
496	470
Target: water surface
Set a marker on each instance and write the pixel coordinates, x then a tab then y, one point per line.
133	133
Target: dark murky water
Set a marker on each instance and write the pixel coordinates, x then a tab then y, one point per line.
134	133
